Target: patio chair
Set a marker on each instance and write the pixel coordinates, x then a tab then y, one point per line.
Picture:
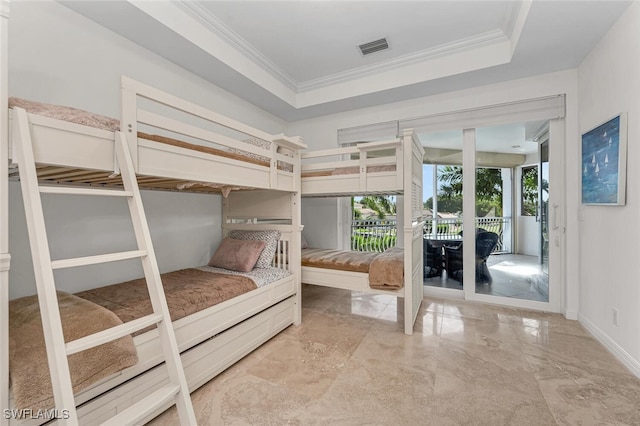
433	258
486	242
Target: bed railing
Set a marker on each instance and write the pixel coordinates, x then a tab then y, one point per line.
361	155
145	107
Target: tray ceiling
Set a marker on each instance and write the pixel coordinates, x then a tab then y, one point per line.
300	59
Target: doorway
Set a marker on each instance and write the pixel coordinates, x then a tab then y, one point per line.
514	269
485	140
508	192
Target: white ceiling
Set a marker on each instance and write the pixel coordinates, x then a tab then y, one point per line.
299	59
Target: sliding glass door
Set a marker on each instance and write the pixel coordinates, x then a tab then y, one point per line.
496	182
492	199
443	198
543	196
509	251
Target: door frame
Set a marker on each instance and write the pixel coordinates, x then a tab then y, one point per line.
557	214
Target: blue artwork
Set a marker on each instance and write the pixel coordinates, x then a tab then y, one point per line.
600	164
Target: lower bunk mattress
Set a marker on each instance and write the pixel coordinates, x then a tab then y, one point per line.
187	291
385	270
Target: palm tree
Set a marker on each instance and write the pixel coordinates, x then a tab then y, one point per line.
451	176
488	186
383	205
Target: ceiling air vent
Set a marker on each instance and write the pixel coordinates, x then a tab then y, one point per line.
374	46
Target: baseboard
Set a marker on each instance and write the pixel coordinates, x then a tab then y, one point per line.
571	315
627	360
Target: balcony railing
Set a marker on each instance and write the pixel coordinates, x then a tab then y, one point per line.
377	235
449	229
373	234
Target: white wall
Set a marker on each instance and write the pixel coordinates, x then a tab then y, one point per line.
609	83
185	230
58	56
528	235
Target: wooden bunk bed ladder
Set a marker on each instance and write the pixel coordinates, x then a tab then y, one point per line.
176	392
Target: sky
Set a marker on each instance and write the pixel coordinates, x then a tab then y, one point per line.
427	182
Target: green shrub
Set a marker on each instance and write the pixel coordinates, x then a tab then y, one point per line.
370	243
443	228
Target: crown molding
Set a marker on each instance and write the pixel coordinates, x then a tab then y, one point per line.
510	18
508	34
488	38
197	11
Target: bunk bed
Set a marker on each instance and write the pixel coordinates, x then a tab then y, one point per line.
391	167
203	152
175	146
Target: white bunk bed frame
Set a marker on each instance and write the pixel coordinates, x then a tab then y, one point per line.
68	145
406	155
210	340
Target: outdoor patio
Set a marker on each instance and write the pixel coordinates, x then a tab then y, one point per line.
513	275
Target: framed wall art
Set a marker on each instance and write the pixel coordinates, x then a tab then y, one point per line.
604	163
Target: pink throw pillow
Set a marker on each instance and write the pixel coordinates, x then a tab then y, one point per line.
237	255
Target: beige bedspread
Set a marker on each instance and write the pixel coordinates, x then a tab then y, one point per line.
72	115
28	368
342	260
386	270
187	291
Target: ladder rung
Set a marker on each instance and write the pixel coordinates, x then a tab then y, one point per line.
92	260
85	191
145	407
110	334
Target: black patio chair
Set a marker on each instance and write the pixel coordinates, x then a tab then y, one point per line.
433	258
486	242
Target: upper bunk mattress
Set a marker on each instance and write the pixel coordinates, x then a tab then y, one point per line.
86	118
64	113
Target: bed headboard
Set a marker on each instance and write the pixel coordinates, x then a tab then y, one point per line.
282	258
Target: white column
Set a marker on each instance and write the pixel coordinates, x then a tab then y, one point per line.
434	223
469	212
507	209
345	216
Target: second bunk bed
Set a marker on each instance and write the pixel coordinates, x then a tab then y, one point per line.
391	167
220	311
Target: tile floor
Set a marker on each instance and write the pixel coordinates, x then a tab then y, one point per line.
513	275
466	364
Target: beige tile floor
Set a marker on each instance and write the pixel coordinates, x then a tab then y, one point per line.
466	364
